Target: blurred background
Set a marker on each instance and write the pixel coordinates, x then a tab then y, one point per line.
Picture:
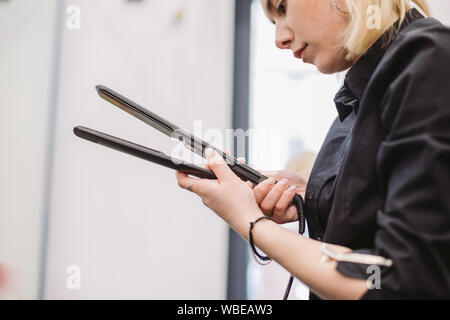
79	221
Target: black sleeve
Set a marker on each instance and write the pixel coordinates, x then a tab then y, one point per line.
413	167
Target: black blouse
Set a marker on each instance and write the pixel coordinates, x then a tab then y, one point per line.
381	182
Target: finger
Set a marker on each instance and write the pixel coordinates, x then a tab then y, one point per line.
262	189
195	185
268	204
185	182
228	152
250	184
206	165
289	216
277	175
284	202
273	174
219	166
268	173
240	159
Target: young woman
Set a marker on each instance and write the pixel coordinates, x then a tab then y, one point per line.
378	197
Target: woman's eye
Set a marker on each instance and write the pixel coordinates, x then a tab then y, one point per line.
282	7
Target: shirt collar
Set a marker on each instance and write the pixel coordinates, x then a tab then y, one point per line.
348	97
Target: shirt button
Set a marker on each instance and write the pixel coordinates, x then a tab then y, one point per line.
310	195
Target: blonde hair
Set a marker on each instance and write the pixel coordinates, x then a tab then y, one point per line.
359	37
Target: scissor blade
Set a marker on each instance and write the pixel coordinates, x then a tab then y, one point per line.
137	111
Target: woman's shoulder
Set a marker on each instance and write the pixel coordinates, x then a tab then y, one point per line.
425	38
412	78
420	51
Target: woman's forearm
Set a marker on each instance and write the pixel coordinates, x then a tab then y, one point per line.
301	257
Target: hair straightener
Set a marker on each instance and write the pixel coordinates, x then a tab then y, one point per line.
191	142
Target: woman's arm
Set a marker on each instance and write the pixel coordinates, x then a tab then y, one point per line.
233	200
302	258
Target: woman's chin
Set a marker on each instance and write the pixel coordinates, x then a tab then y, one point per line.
329	68
324	68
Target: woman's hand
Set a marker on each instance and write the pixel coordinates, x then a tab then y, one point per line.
275	200
228	196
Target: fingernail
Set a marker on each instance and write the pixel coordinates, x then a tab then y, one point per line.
271	181
283	182
292	188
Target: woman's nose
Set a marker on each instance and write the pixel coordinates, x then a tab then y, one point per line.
283	37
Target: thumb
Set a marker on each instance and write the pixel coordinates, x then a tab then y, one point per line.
269	173
218	165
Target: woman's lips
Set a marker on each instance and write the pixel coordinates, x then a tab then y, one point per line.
299	53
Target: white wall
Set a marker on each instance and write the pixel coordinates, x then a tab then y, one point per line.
441	10
26	48
124	221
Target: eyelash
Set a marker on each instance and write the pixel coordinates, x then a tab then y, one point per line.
282	7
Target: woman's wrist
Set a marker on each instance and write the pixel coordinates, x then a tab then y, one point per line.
252	218
243	223
256	230
261	259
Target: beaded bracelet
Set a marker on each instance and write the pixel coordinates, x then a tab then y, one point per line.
265	259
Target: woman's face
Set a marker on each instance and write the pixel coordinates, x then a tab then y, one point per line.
311	29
